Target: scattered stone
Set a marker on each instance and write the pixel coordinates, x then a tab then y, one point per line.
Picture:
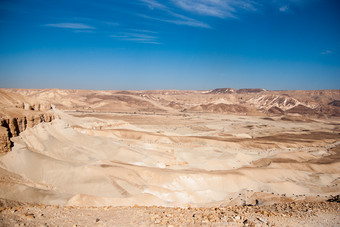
334	199
262	220
29	215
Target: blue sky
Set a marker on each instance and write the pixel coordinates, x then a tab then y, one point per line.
175	44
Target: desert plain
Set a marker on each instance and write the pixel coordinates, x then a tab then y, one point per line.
222	157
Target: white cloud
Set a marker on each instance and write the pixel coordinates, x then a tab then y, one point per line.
192	23
180	20
177	18
142	36
326	52
286	6
215	8
144	31
70	25
283	9
184	20
204	8
139	37
83	31
153	4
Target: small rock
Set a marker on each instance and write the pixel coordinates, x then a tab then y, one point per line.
262	220
29	215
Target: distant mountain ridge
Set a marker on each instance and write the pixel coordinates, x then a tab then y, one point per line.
239	91
246	101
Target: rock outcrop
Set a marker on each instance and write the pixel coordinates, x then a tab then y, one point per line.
275	110
36	106
5	142
11	127
18	112
222	91
249	90
335	103
303	110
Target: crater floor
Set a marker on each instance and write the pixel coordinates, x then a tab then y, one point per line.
191	159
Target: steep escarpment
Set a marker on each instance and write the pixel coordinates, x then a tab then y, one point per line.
12	127
5	142
18	113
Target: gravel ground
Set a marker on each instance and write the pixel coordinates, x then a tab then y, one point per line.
281	214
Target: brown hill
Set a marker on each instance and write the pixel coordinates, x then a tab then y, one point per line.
221	100
303	110
275	110
335	103
221	108
249	90
222	91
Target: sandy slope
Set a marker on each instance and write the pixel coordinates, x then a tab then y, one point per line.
274	163
170	160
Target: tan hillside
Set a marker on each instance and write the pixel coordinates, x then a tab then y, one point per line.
171	148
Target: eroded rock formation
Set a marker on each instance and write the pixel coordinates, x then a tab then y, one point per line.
18	112
11	127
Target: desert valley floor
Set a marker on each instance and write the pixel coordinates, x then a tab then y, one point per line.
220	157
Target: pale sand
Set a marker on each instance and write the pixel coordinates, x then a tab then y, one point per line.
197	160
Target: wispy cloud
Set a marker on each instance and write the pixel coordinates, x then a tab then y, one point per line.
284	8
153	4
82	31
175	18
326	52
191	13
140	37
215	8
210	8
184	20
70	26
143	31
287	6
191	22
180	20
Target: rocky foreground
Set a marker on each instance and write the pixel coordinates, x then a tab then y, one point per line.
301	213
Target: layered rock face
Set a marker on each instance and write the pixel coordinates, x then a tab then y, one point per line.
5	142
18	113
18	124
11	127
36	106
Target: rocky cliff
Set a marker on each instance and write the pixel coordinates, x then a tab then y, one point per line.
17	113
11	127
